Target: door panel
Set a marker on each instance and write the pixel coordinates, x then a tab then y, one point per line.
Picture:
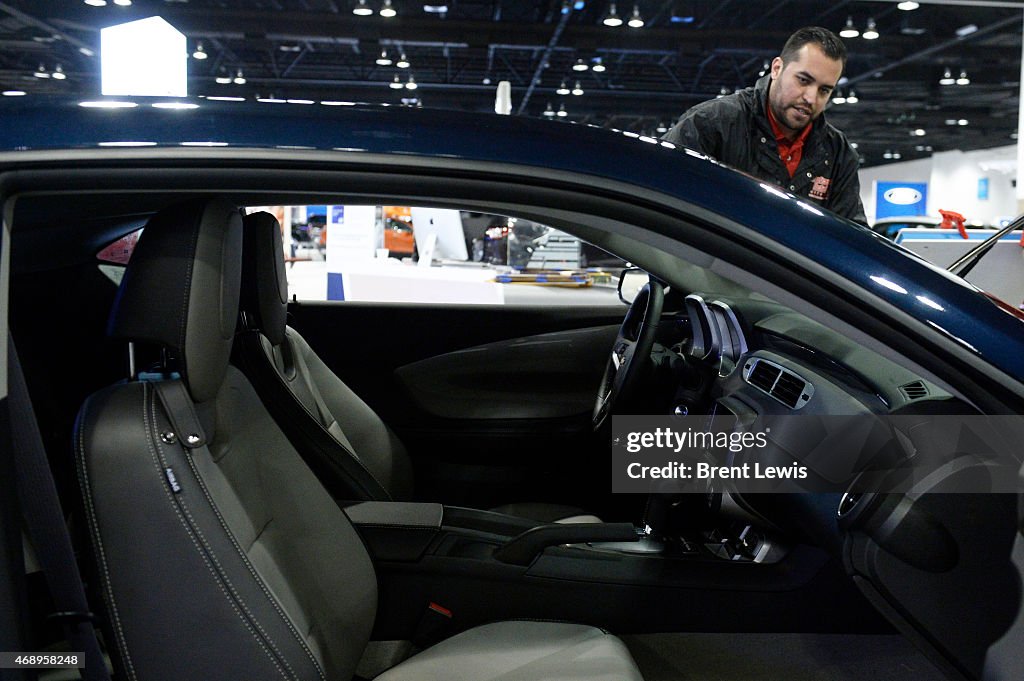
492	402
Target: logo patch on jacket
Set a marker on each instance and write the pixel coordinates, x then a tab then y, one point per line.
819	188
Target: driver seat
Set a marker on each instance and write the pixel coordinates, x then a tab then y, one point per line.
346	444
219	554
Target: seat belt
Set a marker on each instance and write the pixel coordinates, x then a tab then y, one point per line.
44	522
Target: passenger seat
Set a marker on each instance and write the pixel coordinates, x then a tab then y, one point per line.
220	554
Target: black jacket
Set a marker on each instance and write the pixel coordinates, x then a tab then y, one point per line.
735	130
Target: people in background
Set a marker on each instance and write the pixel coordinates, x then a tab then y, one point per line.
776	130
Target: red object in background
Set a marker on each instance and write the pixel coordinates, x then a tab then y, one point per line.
951	219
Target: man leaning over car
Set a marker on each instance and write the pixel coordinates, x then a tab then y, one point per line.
776	129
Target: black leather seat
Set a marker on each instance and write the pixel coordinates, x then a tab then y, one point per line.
221	556
344	441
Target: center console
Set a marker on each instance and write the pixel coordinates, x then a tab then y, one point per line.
442	569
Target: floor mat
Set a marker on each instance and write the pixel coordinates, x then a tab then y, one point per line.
767	657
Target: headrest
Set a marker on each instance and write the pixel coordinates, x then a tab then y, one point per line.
180	289
264	284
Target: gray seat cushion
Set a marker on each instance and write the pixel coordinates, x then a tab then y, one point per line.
522	651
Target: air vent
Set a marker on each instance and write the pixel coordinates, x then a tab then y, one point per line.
914	390
763	376
789	389
782	384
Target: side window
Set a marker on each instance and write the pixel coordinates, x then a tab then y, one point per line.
115	256
413	254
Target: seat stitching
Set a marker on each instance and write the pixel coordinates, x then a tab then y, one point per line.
245	561
219	579
94	527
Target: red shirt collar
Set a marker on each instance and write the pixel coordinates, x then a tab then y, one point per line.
780	136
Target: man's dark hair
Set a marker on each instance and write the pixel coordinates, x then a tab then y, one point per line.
828	41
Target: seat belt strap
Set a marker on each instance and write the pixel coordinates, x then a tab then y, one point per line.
44	522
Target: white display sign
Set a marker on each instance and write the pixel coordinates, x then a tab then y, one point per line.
145	58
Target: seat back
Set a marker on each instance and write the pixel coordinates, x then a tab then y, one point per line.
343	440
221	556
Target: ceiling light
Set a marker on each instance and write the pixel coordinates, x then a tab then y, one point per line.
580	65
964	31
361	9
301	101
123	3
563	89
849	31
887	154
403	63
839	98
41	72
387	11
127	143
396	84
223	79
612	18
200	53
962	121
411	83
289	48
963	79
331	102
383	59
598	66
636	21
435	9
549	111
764	68
852	98
871	32
722	93
897	155
562	113
239	79
58	73
271	100
96	3
226	99
86	51
918	132
486	80
661	129
578	90
950	121
854	145
180	106
108	104
908	6
13	93
947	77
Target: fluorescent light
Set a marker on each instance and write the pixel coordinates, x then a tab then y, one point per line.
271	100
13	93
226	99
203	144
328	102
871	32
849	31
301	101
908	6
96	3
612	18
86	51
636	21
435	9
180	106
966	30
127	144
123	3
108	104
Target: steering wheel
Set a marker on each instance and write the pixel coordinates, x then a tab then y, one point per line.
630	352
